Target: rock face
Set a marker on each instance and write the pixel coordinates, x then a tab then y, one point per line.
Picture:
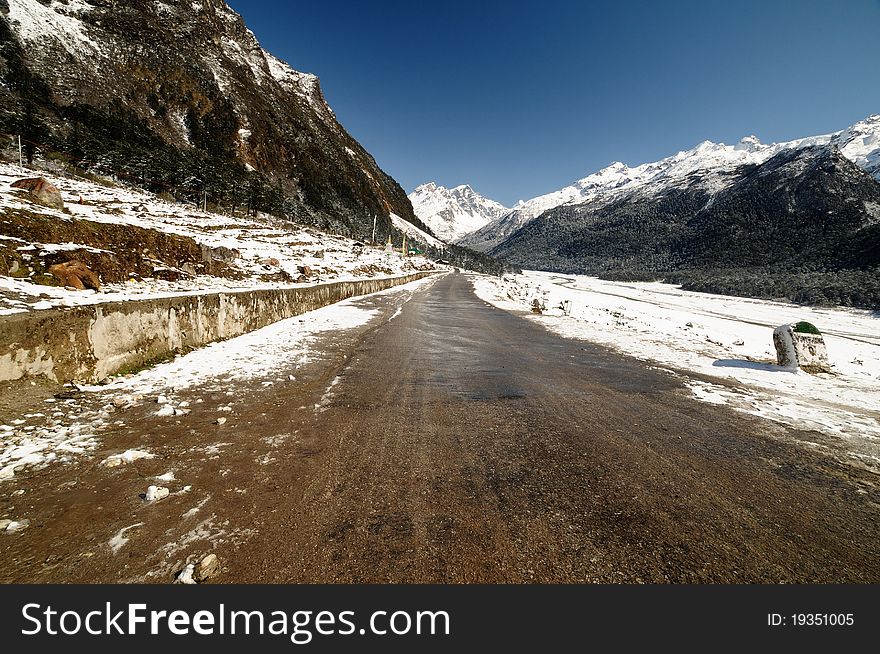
76	275
179	97
800	345
41	190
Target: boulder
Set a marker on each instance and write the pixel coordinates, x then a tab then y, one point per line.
41	190
304	270
75	274
206	568
800	345
222	254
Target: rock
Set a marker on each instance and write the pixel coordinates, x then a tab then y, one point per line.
185	576
13	526
222	254
305	271
156	493
206	568
76	275
220	421
189	269
272	262
41	190
800	345
162	399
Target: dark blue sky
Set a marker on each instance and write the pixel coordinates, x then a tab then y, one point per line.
521	98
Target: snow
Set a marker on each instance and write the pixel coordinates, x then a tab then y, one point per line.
257	355
264	247
726	338
34	445
129	456
36	24
303	84
156	493
860	143
414	232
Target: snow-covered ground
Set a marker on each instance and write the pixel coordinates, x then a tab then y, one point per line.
727	338
66	429
263	246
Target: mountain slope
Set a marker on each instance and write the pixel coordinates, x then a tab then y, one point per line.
712	166
808	210
178	96
453	213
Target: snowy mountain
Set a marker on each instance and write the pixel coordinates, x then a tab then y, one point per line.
803	225
709	166
453	213
180	97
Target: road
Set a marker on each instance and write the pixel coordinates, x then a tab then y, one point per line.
451	441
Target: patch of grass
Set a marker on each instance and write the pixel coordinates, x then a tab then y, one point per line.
805	327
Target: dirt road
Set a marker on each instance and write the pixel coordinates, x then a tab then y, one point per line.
450	441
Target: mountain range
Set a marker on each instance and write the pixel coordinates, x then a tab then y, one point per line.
797	220
710	166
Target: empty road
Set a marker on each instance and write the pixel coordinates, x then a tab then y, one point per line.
451	441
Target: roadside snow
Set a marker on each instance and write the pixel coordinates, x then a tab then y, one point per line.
74	427
257	355
728	338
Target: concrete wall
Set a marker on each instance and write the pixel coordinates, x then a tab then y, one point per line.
91	342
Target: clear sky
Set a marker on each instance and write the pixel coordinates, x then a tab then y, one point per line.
521	98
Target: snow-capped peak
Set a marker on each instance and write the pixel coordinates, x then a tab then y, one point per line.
749	143
452	213
860	143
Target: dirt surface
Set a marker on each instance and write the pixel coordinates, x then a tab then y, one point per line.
453	442
23	396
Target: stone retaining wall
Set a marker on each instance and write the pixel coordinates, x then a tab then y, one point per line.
92	342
